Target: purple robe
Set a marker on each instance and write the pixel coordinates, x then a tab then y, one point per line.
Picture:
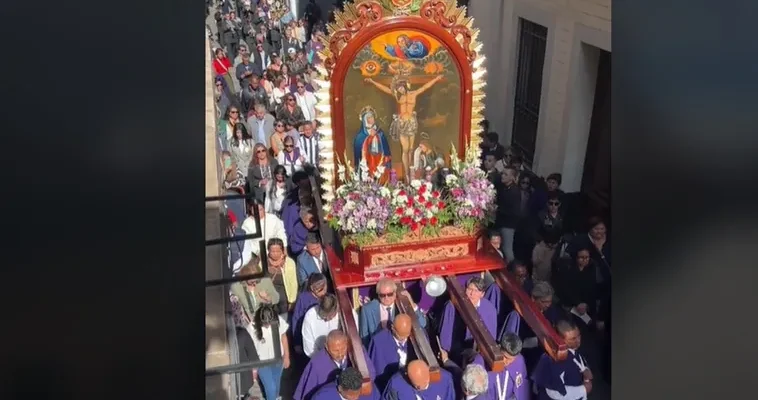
452	334
305	300
502	304
383	351
556	375
322	369
517	386
329	392
515	324
400	389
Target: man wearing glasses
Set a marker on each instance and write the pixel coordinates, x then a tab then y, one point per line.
381	311
306	101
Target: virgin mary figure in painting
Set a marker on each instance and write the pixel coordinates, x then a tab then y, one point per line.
370	142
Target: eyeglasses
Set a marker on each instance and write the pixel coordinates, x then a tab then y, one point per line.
554	203
260	151
300	87
288	146
234	112
385	295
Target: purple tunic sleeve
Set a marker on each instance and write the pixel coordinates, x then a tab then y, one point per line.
446	328
546	377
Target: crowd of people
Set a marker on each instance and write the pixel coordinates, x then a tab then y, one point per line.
268	138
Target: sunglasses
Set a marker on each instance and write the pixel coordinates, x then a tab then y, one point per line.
554	203
288	146
260	151
234	112
385	295
301	87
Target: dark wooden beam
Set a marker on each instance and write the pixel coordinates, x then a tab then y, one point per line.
418	336
490	351
356	347
554	345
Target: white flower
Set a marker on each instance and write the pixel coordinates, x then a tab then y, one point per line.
435	209
379	171
349	227
350	205
401	199
371	224
416	184
384	192
409	212
428	214
468	203
451	180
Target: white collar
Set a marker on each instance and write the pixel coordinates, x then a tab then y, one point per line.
472	396
398	342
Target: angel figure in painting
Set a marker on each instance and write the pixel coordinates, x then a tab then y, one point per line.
404	124
425	160
409	48
370	142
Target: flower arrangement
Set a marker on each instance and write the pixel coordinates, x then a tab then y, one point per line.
369	209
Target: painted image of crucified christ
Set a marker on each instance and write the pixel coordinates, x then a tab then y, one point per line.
404	126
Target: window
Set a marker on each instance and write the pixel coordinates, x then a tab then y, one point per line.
526	108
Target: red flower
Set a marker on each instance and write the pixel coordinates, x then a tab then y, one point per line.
401	193
410	203
414	226
421	199
433	221
417	212
429	204
436	194
424	221
422	189
405	220
399	211
441	205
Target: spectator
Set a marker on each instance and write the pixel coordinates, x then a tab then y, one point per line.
272	226
276	140
261	57
290	44
277	63
291	158
250	294
277	191
254	94
261	124
281	270
496	242
270	376
309	143
381	311
233	176
289	110
299	63
226	126
306	101
245	70
312	260
241	148
300	31
312	15
260	171
491	144
508	215
543	255
280	90
488	165
318	322
223	66
577	288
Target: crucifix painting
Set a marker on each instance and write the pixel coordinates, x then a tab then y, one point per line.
403	83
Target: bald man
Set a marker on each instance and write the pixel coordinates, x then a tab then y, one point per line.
391	350
347	387
413	383
325	365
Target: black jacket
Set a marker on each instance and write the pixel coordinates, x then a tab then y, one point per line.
508	206
574	287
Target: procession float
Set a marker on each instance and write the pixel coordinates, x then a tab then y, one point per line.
400	192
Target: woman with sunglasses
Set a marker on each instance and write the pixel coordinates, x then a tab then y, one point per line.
223	66
278	191
241	147
280	89
226	126
260	171
291	158
276	141
290	111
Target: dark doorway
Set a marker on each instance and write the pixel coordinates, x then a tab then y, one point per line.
596	178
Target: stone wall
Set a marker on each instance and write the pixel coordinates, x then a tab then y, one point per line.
572	24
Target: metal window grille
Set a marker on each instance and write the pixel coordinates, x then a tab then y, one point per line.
526	109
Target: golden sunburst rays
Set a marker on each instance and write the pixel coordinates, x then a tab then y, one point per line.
343	27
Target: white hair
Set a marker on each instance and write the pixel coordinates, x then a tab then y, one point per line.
385	282
475	380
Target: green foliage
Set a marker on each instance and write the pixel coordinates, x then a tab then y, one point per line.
360	239
396	233
469	224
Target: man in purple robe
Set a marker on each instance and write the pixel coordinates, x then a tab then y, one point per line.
414	383
542	295
502	303
347	387
511	383
315	289
326	364
391	350
569	379
300	222
454	335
